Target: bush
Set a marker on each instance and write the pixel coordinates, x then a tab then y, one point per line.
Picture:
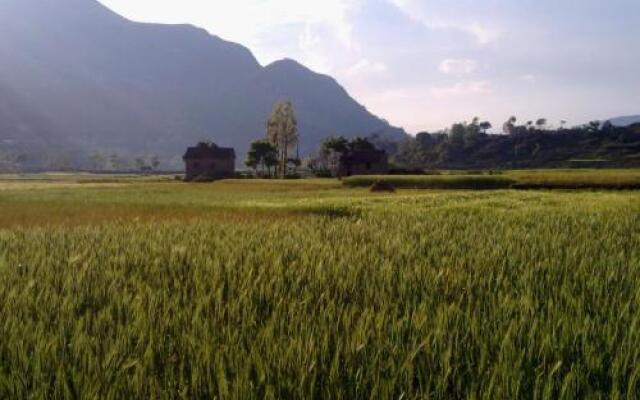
482	182
203	179
406	171
325	173
594	180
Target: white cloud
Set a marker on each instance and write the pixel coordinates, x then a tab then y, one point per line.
484	35
461	66
419	10
247	21
366	67
310	47
462	88
379	53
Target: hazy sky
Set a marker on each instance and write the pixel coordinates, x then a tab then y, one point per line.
423	64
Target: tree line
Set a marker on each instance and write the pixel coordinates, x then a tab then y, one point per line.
270	156
532	144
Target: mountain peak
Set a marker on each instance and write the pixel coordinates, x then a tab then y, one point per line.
290	62
287	64
76	74
58	9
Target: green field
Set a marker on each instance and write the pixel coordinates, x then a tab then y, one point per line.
533	179
128	287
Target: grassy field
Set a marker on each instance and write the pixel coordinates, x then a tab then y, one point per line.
149	288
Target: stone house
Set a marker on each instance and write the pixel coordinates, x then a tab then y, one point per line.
208	161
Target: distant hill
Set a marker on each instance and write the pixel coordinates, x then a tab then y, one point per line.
467	147
76	78
625	121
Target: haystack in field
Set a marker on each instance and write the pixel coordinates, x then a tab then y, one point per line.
381	187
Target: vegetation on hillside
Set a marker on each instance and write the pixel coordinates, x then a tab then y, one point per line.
532	145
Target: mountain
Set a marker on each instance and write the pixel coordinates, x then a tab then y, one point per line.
76	78
625	121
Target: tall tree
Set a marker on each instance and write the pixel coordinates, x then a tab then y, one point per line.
155	162
334	144
114	160
140	163
361	144
263	155
282	133
541	123
509	126
331	149
457	134
98	160
485	126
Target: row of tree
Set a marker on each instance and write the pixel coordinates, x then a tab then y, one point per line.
13	160
532	144
116	162
271	156
332	149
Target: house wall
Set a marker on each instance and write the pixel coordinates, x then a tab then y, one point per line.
219	168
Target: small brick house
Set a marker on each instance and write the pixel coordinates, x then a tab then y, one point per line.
364	162
208	161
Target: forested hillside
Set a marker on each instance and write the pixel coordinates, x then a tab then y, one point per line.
467	145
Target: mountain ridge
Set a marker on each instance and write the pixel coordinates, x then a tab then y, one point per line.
625	120
75	74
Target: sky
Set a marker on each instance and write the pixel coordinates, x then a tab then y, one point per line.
425	64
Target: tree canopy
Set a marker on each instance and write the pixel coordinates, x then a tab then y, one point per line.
262	156
534	144
282	133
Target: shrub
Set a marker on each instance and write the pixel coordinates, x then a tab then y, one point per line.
324	173
480	182
406	171
203	179
595	180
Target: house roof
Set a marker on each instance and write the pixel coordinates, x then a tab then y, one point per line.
364	156
205	150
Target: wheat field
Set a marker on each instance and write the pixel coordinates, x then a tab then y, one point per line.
306	289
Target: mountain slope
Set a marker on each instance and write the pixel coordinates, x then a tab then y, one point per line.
76	77
625	121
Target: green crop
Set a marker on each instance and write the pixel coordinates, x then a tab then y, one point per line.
279	290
